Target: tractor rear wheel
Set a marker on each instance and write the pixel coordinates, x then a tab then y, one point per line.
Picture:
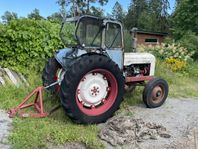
155	93
51	73
92	89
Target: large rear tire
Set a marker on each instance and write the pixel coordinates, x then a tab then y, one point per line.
92	89
50	74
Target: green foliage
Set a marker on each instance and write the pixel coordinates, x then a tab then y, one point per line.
136	8
127	41
190	41
173	55
35	14
96	11
181	84
148	15
185	25
118	12
185	18
55	17
191	70
8	16
81	7
67	35
26	44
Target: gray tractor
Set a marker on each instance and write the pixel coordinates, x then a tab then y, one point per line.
95	72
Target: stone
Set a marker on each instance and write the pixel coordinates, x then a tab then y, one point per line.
2	82
11	76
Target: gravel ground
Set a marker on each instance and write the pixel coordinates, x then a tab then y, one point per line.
179	117
5	127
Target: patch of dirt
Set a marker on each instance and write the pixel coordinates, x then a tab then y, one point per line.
5	128
173	126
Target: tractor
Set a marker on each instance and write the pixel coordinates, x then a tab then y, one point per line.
95	73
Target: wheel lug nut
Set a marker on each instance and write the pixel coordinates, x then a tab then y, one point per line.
108	89
94	73
78	91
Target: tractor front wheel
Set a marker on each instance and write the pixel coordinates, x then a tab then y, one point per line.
92	89
155	93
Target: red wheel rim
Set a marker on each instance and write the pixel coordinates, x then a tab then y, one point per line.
105	103
57	87
57	77
157	94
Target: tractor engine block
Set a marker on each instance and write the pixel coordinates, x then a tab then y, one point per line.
137	70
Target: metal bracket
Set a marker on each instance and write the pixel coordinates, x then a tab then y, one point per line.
37	104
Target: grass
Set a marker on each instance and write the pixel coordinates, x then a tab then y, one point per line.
39	133
58	128
181	84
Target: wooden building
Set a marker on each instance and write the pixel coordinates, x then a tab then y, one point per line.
146	38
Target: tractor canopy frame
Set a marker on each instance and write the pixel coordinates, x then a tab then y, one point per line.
96	33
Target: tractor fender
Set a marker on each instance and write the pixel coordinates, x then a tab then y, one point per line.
67	56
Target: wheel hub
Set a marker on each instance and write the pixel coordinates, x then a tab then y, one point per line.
92	89
95	90
157	94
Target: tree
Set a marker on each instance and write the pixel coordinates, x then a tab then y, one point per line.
96	11
185	18
55	17
86	5
101	2
63	7
178	1
118	12
185	25
35	14
136	9
159	14
8	16
78	7
148	14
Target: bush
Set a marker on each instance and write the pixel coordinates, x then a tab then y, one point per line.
175	56
168	51
190	41
176	64
27	43
127	41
